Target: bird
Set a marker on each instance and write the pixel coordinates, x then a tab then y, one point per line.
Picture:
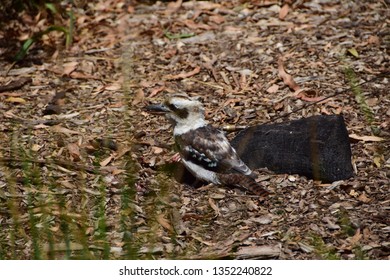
204	150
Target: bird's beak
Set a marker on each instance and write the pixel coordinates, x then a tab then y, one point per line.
157	109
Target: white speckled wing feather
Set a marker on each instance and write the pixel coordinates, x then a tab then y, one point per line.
209	148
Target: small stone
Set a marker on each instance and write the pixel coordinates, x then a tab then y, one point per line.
291	178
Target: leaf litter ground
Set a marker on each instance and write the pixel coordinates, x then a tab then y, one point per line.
84	170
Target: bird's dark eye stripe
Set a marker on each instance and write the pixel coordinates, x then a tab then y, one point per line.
182	113
172	107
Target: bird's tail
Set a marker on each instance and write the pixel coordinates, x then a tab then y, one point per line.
246	182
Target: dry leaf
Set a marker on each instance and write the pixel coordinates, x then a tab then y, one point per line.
122	150
251	205
13	94
364	198
183	75
67	184
353	193
353	51
330	224
366	138
139	96
60	129
63	247
278	106
79	75
218	19
164	222
287	78
41	125
106	161
305	247
157	150
69	67
36	147
55	228
307	95
172	7
266	251
117	171
113	87
356	238
169	53
130	9
74	151
377	161
283	11
68	116
193	25
155	91
11	115
87	67
273	89
263	220
201	38
373	40
201	5
214	206
146	83
16	100
151	161
200	239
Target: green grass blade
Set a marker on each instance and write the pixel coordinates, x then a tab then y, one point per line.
28	43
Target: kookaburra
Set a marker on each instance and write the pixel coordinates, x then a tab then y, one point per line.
205	150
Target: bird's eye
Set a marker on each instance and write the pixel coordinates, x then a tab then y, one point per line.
173	107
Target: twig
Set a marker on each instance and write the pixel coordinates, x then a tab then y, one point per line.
63	163
32	122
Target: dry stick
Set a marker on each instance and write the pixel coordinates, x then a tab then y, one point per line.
31	123
63	163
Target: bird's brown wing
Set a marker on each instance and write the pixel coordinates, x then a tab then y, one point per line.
209	147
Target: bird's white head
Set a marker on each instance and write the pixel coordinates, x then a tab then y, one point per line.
184	112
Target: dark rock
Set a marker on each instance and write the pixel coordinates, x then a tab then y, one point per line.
316	147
